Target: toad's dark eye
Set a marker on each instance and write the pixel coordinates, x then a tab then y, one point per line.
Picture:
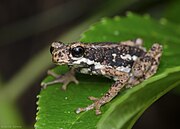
77	51
51	49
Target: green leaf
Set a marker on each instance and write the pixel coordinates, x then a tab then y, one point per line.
56	107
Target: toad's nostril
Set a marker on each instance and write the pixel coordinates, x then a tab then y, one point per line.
51	49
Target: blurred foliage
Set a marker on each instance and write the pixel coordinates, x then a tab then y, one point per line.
171	13
130	104
22	80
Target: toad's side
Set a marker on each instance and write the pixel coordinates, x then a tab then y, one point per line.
127	63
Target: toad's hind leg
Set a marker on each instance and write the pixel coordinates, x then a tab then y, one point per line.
112	92
155	52
136	42
146	66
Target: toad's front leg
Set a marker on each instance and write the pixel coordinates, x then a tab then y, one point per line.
65	79
112	92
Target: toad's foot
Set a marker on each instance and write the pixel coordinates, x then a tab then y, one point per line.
65	79
96	105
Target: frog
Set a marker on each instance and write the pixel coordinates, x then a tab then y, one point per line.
128	63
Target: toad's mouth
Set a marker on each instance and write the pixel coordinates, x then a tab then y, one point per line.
81	65
63	62
60	62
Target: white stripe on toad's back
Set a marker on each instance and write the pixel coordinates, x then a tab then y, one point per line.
134	57
97	65
114	57
84	60
127	56
124	69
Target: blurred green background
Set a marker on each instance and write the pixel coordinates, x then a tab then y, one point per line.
27	28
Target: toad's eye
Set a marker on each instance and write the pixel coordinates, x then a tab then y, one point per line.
51	49
77	51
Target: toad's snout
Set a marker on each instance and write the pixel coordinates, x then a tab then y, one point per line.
60	58
55	57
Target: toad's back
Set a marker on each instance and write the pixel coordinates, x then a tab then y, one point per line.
115	55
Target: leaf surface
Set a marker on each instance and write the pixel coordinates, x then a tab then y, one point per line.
56	107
